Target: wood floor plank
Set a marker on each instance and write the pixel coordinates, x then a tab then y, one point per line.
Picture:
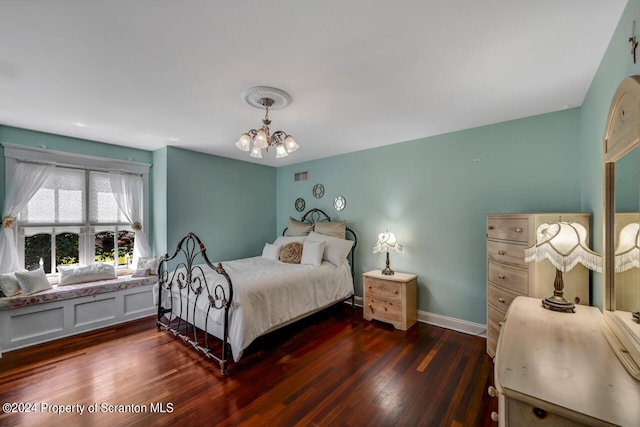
331	369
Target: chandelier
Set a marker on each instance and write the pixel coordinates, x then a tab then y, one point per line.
263	138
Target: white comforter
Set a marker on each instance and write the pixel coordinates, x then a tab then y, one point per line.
267	295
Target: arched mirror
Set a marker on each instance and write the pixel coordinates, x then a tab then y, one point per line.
622	225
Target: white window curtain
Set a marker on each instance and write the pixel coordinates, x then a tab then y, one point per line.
25	181
128	191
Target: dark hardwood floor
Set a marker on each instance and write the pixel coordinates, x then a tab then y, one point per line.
332	369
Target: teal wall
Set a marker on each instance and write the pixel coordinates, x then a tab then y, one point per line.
615	66
434	194
229	204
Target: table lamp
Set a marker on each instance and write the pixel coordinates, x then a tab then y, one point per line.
387	242
564	244
627	254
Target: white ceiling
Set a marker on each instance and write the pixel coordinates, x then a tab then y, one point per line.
361	73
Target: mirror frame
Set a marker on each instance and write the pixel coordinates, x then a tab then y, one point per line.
622	135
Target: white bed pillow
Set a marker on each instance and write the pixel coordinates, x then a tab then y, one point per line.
150	264
283	240
87	273
9	285
312	253
271	251
32	281
335	250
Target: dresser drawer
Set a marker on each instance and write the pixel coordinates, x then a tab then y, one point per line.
382	308
511	278
506	252
495	319
512	229
500	298
383	289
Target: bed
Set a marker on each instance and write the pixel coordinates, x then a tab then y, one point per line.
221	308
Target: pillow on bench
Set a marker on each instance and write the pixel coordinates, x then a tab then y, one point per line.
9	285
87	273
32	281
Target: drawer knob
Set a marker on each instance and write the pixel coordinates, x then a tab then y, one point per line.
492	391
501	323
501	299
518	229
494	416
490	227
395	291
501	276
501	252
540	413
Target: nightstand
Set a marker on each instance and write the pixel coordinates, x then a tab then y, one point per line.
392	299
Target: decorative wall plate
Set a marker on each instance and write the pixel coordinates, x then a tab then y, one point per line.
318	191
300	204
339	203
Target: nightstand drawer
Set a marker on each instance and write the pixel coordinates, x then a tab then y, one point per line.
512	229
509	277
506	252
384	289
500	298
383	308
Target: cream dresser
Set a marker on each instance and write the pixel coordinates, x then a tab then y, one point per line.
557	369
508	275
391	299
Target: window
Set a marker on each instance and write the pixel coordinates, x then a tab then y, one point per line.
74	218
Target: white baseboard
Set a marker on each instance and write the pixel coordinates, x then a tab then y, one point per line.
459	325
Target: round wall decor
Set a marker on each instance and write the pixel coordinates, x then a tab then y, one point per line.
339	203
300	204
318	191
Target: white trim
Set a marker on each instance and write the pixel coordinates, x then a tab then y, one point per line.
459	325
63	158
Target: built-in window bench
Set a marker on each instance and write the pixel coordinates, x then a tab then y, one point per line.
71	309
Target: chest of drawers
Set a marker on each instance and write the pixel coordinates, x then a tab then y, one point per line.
391	299
509	275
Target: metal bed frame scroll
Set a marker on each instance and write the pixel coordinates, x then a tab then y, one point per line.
190	277
185	269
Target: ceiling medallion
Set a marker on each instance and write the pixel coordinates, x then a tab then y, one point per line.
266	97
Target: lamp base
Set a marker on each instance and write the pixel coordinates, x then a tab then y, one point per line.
387	271
558	304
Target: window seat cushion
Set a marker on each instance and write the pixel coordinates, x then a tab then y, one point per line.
57	292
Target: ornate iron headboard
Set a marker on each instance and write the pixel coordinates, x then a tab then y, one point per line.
317	215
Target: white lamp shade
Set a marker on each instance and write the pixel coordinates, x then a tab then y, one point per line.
627	254
280	151
564	244
256	152
387	242
260	140
243	142
290	144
